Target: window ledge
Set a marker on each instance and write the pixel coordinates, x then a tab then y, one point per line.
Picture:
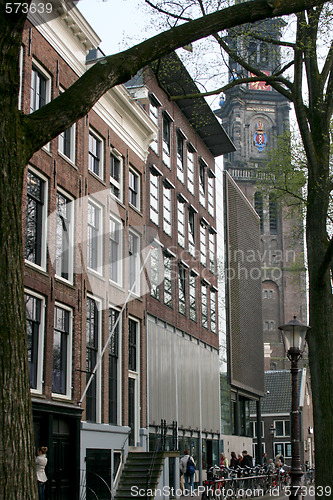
36	267
97	177
135	209
68	160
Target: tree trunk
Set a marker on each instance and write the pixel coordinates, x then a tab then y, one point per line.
320	338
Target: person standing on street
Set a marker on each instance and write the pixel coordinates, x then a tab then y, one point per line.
187	466
247	459
41	462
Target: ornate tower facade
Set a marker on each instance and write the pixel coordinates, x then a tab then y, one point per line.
254	115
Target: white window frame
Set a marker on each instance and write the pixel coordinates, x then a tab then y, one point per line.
41	334
21	62
44	239
284	428
61	142
254	425
193	287
99	238
203	243
154	195
191	234
213	311
169	278
202	181
190	167
136	376
283	445
118	185
212	250
68	394
211	191
166	147
137	175
182	280
154	106
119	363
39	68
137	289
181	217
70	239
100	140
204	305
167	207
180	139
120	256
98	373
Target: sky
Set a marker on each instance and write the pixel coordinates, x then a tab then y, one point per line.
116	22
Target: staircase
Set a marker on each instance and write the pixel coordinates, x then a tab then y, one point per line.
136	471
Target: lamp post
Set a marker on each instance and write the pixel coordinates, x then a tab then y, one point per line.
293	334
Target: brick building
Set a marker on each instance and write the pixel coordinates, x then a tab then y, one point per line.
84	235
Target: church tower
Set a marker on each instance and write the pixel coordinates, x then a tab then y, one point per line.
254	115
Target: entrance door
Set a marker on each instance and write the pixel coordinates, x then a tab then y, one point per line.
131	410
63	477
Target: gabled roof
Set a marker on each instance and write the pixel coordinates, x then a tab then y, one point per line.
174	78
277	397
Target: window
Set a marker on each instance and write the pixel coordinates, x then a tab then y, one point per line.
155	272
181	289
266	325
62	349
154	196
271	325
113	366
92	351
66	142
94	243
167	283
35	241
282	449
203	244
154	104
116	237
132	345
272	214
116	164
134	262
190	168
213	310
95	164
258	206
134	189
64	243
40	88
191	231
193	296
282	428
204	305
265	294
254	429
211	192
166	127
34	306
167	207
212	251
270	294
181	221
202	182
180	157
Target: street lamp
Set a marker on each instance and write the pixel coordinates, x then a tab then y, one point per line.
294	334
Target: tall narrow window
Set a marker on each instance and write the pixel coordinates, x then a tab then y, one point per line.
181	221
115	269
193	296
116	176
181	289
273	213
212	250
180	157
258	206
64	238
154	196
132	345
66	143
92	328
204	305
167	283
61	351
94	243
167	207
95	163
166	123
40	89
133	250
113	366
134	189
154	105
190	168
211	192
203	244
202	182
191	231
35	220
154	272
213	310
34	328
